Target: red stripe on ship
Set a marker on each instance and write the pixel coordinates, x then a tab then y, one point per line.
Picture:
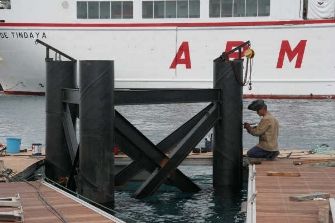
199	24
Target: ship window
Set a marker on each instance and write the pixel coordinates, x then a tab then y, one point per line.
116	10
104	9
171	9
194	9
182	9
147	9
214	8
252	8
226	8
5	4
238	8
127	10
93	10
263	7
82	10
159	9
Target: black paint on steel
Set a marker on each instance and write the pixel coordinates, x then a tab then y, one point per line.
227	148
60	74
71	96
166	145
47	53
178	154
158	96
96	159
225	55
139	148
28	173
71	183
70	132
127	173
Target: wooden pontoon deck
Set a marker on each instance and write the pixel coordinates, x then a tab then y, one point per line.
67	206
273	203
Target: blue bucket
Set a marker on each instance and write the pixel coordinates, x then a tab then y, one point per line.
13	145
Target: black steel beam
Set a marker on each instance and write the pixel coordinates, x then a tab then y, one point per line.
180	153
60	74
70	133
141	149
54	49
166	96
227	134
127	173
71	95
165	146
152	96
180	180
96	158
71	183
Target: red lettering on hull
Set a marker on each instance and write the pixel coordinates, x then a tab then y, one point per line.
179	59
298	52
183	55
231	45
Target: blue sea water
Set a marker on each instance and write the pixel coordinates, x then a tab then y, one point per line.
304	124
175	206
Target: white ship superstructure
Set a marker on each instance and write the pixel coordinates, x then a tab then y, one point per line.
172	43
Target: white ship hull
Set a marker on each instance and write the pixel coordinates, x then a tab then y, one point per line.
292	57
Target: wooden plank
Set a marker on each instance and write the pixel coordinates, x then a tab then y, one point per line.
38	199
283	174
273	202
308	197
308	161
324	214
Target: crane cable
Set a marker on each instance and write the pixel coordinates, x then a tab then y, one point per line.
249	54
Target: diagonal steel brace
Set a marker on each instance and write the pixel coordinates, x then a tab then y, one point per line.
165	146
141	149
179	154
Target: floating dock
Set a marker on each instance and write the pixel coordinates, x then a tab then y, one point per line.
43	202
39	201
21	165
274	190
296	189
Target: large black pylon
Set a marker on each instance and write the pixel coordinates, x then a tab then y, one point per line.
96	165
227	147
60	74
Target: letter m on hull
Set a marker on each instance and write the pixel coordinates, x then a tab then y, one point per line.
286	49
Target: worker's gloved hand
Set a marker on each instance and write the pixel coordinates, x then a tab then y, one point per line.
246	125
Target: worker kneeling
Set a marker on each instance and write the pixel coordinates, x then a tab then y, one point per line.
267	131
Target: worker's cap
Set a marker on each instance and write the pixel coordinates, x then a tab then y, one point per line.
256	105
